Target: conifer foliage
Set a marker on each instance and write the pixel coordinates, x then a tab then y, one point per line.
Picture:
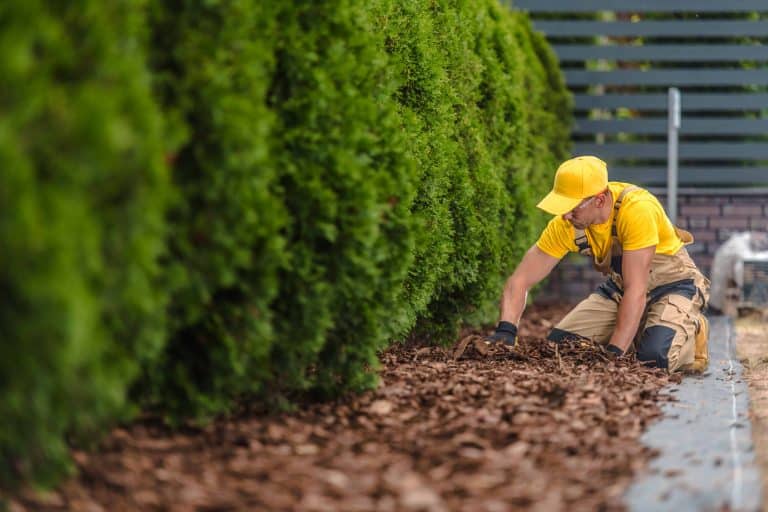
82	199
205	202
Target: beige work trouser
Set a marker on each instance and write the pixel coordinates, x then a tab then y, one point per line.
666	338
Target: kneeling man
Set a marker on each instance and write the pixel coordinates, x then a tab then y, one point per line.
654	293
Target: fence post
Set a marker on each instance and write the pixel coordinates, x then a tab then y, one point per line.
673	127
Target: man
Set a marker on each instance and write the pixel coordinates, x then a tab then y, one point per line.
654	294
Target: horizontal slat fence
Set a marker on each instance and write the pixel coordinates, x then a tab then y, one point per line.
619	58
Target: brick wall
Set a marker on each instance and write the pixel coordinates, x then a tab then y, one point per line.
710	215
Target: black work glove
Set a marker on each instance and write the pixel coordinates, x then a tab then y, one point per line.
505	332
614	350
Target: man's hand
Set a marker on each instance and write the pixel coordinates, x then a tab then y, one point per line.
506	332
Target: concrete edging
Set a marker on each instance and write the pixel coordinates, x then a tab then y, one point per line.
706	458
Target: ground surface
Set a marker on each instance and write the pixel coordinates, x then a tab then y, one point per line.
534	429
752	349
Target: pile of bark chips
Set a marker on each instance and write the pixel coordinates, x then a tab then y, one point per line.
543	427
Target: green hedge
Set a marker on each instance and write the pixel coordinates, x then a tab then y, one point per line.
493	117
213	63
291	234
341	174
348	172
348	182
82	192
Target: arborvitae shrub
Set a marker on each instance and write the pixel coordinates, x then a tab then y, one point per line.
426	98
213	64
492	121
82	191
341	172
346	169
290	237
347	183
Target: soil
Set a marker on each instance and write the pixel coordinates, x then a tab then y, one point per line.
752	349
541	427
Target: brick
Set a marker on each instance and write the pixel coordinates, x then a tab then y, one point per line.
571	274
576	291
724	234
549	292
705	200
698	222
758	223
704	235
730	222
742	209
710	210
750	200
703	261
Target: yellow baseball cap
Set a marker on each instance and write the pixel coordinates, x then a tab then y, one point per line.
575	180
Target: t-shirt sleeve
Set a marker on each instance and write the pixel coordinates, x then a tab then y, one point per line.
638	225
557	238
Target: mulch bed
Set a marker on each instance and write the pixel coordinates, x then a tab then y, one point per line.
538	428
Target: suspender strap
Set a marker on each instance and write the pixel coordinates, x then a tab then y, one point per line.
617	205
581	242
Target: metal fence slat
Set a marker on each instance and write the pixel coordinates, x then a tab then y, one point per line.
677	29
690	101
644	6
663	52
701	77
687	150
690	176
694	126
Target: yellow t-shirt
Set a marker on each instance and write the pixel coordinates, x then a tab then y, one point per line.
642	223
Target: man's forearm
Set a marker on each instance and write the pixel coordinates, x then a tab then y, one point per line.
535	266
513	302
628	319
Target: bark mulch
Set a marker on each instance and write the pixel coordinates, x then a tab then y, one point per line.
538	428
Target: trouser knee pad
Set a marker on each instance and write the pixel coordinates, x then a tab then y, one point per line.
653	348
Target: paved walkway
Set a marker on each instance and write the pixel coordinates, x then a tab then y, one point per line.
706	457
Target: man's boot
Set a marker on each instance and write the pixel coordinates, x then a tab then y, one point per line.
701	356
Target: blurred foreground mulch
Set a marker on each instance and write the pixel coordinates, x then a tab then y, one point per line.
541	428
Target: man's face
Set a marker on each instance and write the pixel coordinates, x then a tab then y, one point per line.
584	214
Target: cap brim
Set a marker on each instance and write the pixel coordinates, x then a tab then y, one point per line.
557	204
